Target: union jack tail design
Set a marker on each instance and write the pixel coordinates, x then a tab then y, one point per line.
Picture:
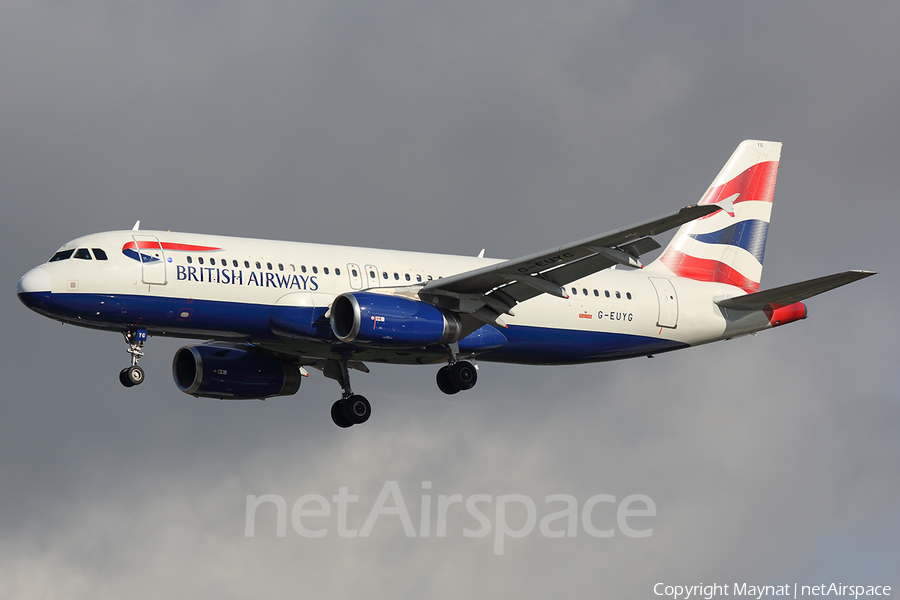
728	246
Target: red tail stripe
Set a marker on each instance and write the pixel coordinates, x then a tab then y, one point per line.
703	269
756	184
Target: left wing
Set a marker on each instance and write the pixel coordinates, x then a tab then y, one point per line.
491	291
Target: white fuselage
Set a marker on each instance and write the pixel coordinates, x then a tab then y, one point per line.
217	287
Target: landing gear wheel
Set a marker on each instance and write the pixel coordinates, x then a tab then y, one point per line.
357	409
337	415
463	375
124	378
445	382
135	375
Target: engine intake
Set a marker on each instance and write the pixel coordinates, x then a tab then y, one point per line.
393	321
227	372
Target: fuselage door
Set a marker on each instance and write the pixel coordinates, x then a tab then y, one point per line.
355	276
668	302
153	259
371	276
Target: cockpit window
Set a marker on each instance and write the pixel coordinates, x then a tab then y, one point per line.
99	254
83	254
62	255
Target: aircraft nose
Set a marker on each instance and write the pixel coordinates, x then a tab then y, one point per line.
35	280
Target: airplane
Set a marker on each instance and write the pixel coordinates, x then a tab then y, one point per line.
269	310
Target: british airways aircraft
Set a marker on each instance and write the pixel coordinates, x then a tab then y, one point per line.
270	309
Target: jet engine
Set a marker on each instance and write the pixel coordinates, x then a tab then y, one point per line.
391	321
232	373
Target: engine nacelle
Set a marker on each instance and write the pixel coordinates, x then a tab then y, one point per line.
392	321
232	373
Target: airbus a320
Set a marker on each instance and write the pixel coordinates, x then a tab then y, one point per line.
269	310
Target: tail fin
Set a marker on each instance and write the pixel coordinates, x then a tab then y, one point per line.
728	246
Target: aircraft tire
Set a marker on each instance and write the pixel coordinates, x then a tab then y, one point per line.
463	375
357	409
337	415
445	382
135	375
124	379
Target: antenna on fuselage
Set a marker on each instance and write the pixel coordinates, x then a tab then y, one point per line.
137	225
481	254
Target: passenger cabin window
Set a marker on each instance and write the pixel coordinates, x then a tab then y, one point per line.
99	254
212	261
337	271
246	264
383	275
618	295
280	267
628	295
407	277
269	266
397	276
418	278
325	270
258	266
200	259
303	268
62	255
606	292
315	270
190	260
234	263
584	292
354	272
597	293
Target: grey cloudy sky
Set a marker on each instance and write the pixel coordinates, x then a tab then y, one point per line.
449	127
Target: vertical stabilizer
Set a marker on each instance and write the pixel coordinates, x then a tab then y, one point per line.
728	246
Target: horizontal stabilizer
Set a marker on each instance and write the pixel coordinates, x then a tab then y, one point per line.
795	292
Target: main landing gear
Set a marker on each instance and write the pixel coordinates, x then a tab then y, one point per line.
351	409
134	375
458	375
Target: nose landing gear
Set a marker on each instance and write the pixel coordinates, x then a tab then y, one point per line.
133	375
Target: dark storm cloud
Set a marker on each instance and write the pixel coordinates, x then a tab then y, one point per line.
451	127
